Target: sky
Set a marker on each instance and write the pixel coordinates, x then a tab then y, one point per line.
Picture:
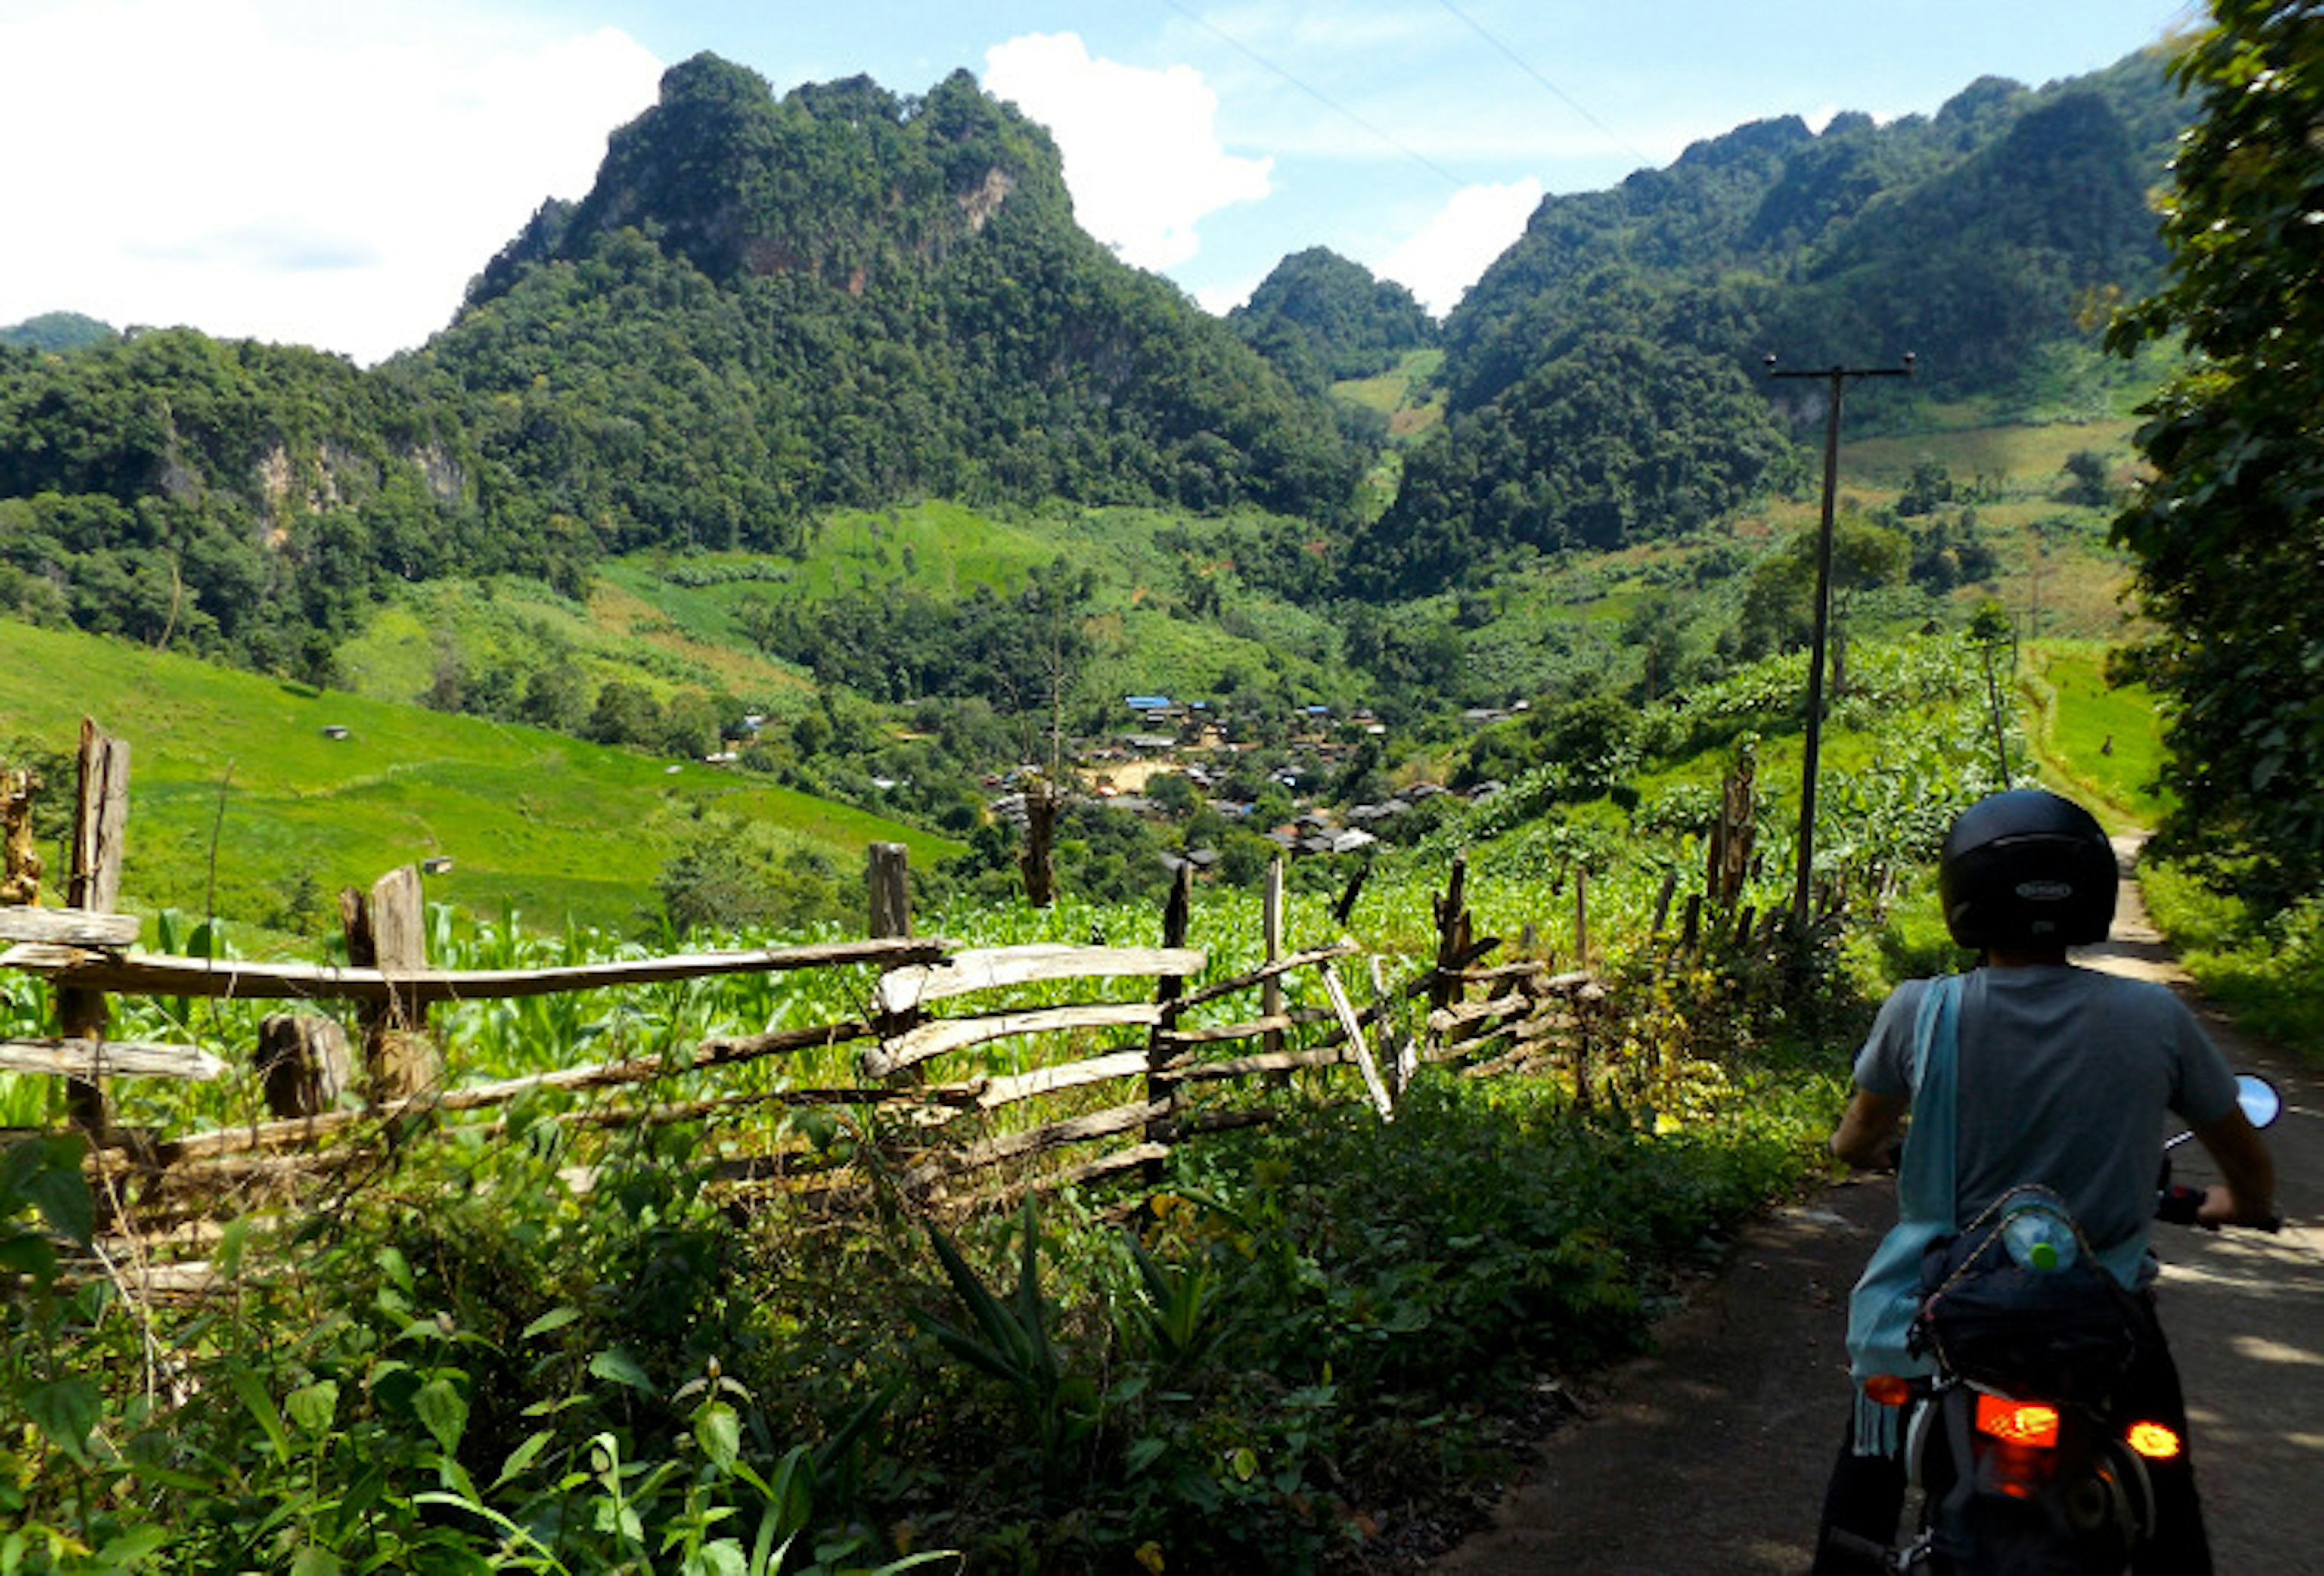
333	173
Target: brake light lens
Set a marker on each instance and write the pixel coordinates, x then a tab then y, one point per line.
2022	1423
2154	1440
1888	1389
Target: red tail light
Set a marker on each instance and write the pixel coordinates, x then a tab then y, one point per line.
2154	1440
2020	1423
1888	1389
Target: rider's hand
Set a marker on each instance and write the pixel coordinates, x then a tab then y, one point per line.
2221	1207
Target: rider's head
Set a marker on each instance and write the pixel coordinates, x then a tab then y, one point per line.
2026	871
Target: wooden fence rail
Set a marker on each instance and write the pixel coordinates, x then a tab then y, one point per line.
146	974
939	1135
899	1041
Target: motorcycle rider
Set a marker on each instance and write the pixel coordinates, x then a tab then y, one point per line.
2060	1077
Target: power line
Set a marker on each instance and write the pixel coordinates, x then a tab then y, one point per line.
1320	97
1644	160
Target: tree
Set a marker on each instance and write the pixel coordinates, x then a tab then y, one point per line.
690	724
553	698
730	873
626	713
2229	528
1174	791
2091	484
1931	485
1779	604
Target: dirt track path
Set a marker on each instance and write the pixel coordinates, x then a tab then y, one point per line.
1710	1455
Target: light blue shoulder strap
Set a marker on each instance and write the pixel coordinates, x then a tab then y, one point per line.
1926	1187
1882	1306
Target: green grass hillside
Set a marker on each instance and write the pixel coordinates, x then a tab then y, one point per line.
2101	744
1168	611
1406	395
240	803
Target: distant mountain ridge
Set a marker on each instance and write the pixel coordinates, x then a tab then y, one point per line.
1802	212
1320	317
58	331
768	305
841	296
1602	374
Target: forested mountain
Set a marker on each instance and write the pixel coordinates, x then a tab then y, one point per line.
768	306
1600	375
2031	191
1320	317
57	331
765	307
233	498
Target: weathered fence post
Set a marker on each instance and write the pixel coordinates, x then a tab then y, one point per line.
1662	901
389	933
1581	917
1045	801
1453	932
1177	917
1352	1027
302	1062
1731	837
20	851
887	874
100	813
1582	1057
1271	927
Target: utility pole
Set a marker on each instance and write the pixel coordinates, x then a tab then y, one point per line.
1989	649
1838	377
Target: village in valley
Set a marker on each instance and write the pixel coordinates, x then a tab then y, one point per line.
1178	754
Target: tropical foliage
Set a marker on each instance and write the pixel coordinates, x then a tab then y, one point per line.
2229	528
1307	1331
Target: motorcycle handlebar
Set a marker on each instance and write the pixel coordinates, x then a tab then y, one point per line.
2177	1206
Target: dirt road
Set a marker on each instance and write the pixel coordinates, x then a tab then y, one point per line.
1711	1454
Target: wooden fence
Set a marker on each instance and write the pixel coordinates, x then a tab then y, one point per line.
1119	1081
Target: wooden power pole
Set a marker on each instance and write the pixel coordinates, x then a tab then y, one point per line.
1837	377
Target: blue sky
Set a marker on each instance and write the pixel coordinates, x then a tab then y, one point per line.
332	173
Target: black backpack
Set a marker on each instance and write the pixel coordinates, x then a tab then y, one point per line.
2018	1302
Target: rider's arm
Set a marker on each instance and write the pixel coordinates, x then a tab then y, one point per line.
2247	1197
1868	1129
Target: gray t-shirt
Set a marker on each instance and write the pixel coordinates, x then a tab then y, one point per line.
2065	1077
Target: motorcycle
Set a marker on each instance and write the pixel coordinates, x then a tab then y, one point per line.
2026	1458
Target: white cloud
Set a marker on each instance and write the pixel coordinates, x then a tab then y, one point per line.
1223	295
1141	150
260	168
1448	254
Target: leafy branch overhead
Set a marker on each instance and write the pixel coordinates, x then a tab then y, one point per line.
2229	528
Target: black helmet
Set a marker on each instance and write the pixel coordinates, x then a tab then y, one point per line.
2024	869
